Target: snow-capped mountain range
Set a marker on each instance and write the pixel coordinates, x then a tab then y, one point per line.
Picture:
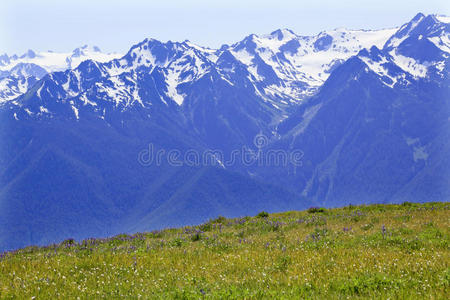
369	111
56	61
283	66
18	73
301	64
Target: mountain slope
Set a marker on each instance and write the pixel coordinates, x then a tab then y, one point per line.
378	129
63	176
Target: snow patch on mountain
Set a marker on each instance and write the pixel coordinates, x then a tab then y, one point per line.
172	83
411	66
379	68
442	42
443	19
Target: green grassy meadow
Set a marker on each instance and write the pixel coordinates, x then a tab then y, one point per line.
373	252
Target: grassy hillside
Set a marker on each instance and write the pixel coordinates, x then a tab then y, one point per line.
376	251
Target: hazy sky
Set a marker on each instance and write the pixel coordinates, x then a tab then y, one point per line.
113	25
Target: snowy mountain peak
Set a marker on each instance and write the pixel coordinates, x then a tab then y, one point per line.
85	51
419	49
29	54
153	53
418	27
27	70
417	18
283	34
4	59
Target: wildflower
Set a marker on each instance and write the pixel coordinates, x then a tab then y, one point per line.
383	230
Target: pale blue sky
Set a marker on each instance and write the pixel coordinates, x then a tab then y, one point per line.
62	25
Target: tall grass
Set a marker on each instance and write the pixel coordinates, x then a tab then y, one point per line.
376	251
